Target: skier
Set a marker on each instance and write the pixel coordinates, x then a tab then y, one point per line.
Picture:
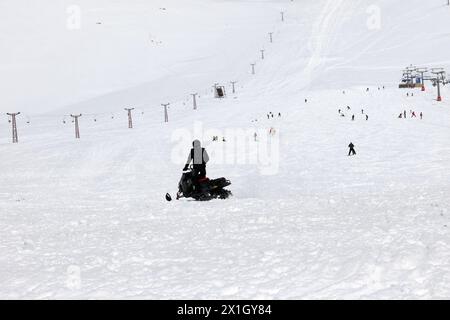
413	115
306	100
400	116
279	114
367	117
362	111
352	149
353	117
255	135
272	131
199	157
421	116
404	114
348	108
339	111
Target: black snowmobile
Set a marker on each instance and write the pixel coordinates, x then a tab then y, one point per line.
203	189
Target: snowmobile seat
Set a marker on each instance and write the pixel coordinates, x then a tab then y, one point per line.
203	180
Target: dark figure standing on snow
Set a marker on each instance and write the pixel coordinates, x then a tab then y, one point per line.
199	157
421	116
362	111
348	108
413	115
353	117
367	117
352	151
404	114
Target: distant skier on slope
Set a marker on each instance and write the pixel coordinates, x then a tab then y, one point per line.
199	157
352	149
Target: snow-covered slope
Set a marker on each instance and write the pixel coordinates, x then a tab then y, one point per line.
87	218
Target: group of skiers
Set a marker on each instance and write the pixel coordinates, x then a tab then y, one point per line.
342	114
379	88
412	113
216	138
271	115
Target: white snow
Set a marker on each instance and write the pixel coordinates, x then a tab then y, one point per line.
87	218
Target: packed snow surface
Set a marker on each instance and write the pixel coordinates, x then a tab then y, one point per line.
87	218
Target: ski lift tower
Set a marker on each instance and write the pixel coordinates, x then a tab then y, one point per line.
422	71
438	80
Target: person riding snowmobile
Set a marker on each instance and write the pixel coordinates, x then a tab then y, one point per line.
194	183
199	157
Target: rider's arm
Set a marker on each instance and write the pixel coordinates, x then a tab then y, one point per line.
188	162
205	156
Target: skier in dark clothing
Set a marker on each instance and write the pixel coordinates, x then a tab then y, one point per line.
199	157
353	117
352	149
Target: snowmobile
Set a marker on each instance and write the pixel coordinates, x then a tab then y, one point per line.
203	189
